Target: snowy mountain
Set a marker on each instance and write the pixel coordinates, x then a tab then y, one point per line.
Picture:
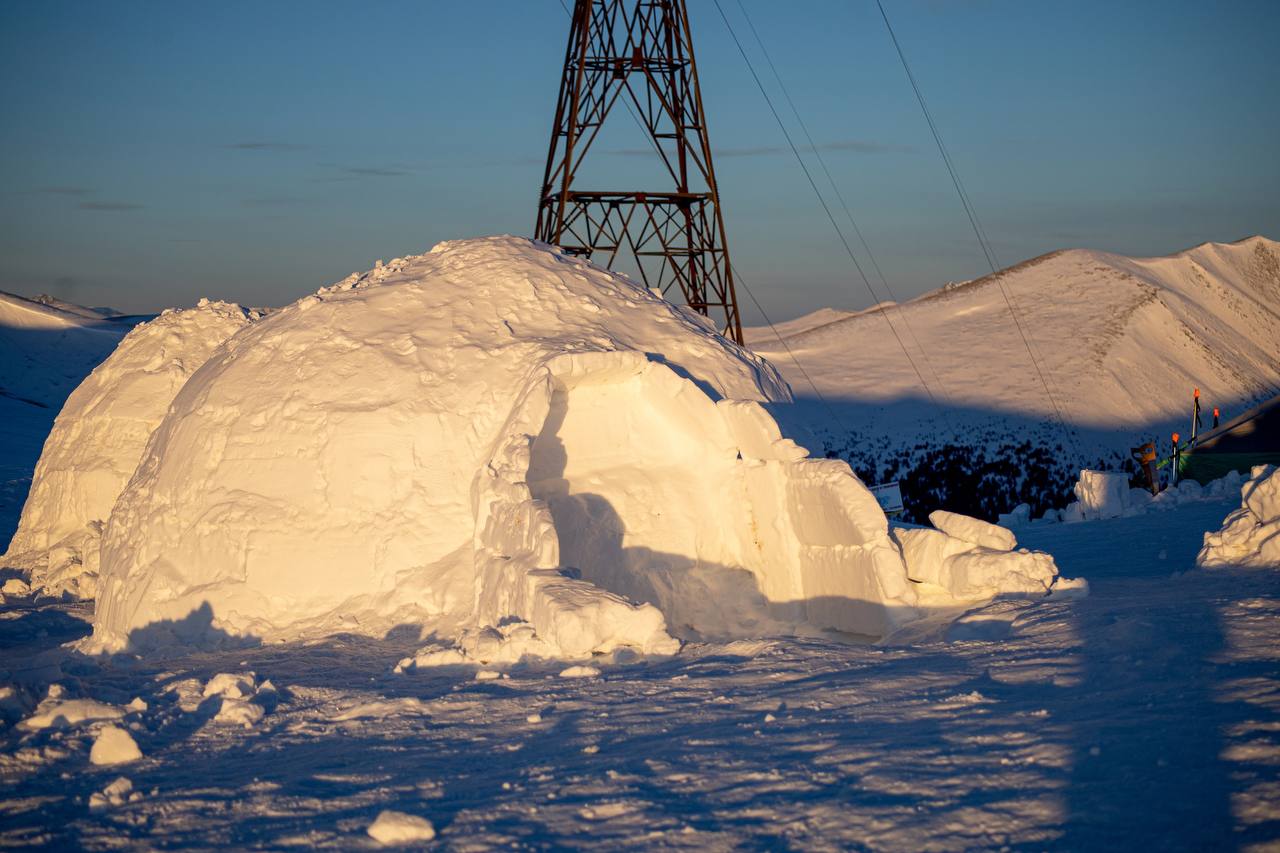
1121	342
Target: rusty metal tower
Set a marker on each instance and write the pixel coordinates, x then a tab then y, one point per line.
640	51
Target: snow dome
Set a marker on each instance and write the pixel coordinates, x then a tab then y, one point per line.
488	433
98	438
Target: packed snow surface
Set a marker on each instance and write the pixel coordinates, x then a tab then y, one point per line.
98	438
1141	717
487	433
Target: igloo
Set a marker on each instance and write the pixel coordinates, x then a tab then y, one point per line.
98	438
488	433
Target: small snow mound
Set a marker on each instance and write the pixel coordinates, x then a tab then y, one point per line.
579	672
394	827
114	745
1250	535
98	439
60	713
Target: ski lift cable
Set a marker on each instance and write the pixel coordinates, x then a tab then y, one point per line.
822	200
822	162
738	276
972	215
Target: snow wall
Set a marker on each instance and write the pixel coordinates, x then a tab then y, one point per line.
98	438
491	431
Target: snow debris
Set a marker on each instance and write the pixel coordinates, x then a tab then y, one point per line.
1019	515
55	712
967	570
114	745
394	827
98	439
242	699
399	448
974	530
14	703
579	672
16	587
1070	588
488	675
232	685
1250	535
381	709
116	794
239	712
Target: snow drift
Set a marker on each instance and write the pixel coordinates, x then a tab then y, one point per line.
98	438
486	433
1250	536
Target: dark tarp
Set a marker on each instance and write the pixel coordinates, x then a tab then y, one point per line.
1250	439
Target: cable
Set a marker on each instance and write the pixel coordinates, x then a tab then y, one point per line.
821	200
839	195
972	215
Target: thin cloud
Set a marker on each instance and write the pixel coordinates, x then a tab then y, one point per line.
355	173
72	191
274	201
108	205
266	146
374	171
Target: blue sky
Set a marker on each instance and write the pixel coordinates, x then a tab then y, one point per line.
157	152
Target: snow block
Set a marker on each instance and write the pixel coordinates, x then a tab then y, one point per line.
1102	494
974	530
970	572
490	433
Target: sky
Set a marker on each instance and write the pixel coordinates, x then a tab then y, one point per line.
157	152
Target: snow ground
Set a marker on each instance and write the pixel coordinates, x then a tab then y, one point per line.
1145	714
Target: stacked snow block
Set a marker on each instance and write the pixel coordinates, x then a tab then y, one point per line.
973	560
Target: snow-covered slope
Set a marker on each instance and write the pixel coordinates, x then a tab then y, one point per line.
1121	343
1121	340
44	353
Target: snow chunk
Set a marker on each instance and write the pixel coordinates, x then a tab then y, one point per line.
16	587
1262	494
239	712
1102	494
968	571
57	713
974	530
579	672
116	794
464	438
232	685
98	439
394	827
1250	535
114	745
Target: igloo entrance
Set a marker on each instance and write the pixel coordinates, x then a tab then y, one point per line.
661	494
642	502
